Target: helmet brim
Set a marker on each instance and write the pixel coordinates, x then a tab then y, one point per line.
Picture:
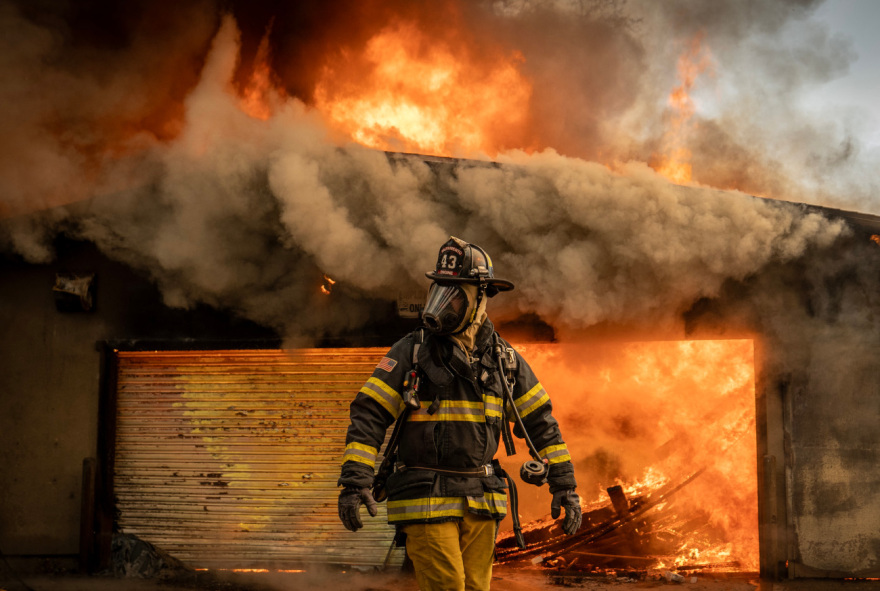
498	284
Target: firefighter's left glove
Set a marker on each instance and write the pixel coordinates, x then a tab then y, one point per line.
350	501
568	499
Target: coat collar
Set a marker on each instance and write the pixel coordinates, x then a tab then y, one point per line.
440	357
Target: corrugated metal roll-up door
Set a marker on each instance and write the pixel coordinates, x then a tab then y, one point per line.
229	459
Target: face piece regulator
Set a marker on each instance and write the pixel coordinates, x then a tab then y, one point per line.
450	307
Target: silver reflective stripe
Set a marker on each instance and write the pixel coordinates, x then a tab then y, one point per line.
431	508
531	400
494	503
384	394
556	453
493	406
359	452
426	508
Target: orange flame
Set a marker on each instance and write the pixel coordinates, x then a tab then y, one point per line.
648	416
257	96
408	92
674	163
327	287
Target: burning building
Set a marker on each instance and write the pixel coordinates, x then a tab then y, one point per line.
243	235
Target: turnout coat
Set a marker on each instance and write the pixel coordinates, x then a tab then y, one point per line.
458	427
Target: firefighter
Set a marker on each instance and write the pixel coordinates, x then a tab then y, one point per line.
448	379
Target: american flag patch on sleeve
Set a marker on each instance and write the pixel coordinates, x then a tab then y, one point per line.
387	364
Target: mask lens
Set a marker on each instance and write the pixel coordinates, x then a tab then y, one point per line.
445	309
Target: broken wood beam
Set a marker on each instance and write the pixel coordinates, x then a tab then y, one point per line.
618	500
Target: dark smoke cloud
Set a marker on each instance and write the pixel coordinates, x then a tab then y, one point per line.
131	115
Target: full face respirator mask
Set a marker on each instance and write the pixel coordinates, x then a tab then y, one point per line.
450	308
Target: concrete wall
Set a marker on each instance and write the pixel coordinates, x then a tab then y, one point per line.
834	468
49	386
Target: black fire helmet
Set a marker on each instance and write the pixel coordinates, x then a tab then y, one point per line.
461	262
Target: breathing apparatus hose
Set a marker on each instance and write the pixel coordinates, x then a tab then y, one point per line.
514	507
499	354
533	471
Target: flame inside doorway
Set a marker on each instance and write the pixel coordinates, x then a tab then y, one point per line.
672	424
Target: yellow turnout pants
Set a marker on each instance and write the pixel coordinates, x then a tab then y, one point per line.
454	555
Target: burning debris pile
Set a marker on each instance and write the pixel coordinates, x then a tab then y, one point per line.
672	426
635	535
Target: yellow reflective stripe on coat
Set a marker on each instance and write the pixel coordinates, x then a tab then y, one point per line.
493	405
555	453
494	503
438	507
426	508
384	394
452	410
360	452
531	400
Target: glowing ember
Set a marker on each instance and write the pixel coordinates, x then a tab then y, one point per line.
674	163
408	92
327	286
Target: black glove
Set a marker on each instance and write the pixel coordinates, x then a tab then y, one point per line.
567	498
350	500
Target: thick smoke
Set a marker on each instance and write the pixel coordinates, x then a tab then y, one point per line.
132	120
83	85
593	246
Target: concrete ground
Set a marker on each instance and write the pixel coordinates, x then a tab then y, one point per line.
503	580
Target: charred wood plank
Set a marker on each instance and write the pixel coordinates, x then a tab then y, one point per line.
618	500
589	531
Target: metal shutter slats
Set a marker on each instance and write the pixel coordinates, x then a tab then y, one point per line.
230	458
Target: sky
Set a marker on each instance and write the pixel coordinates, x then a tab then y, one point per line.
857	20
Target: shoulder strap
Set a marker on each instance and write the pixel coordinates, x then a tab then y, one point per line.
411	381
508	370
417	343
507	401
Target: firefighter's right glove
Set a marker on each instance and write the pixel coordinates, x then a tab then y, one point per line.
572	502
350	501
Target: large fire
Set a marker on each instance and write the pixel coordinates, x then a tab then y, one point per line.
258	95
408	92
674	160
658	417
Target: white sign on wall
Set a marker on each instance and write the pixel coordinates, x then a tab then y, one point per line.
410	303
